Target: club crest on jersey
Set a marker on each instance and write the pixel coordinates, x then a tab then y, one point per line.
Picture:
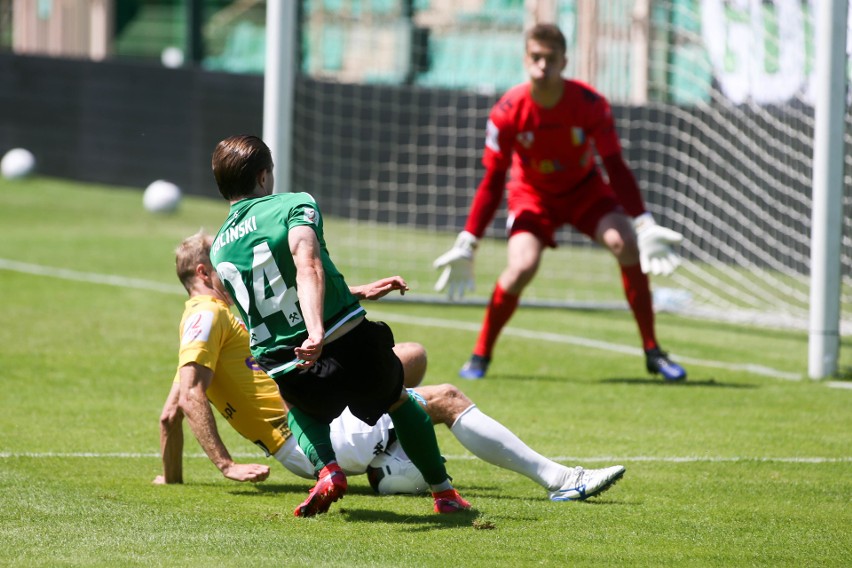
578	136
310	215
525	139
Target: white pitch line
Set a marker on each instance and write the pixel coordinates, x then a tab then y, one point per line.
568	459
586	342
94	278
123	282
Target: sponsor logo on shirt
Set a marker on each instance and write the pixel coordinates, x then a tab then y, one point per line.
197	327
252	364
547	166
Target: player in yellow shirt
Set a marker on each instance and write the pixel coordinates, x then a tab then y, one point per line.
215	364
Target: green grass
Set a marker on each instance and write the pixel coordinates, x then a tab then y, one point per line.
730	469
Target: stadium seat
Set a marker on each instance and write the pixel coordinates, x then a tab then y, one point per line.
510	13
480	61
332	50
244	52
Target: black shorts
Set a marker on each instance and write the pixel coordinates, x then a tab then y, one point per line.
358	370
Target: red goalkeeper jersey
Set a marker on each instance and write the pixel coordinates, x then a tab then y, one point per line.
546	150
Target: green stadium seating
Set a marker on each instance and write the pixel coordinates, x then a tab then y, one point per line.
244	51
481	61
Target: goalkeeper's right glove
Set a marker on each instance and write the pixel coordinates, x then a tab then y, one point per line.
458	266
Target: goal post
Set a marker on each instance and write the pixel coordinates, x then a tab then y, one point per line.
715	114
282	31
827	225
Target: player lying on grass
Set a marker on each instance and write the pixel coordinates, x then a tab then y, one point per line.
215	365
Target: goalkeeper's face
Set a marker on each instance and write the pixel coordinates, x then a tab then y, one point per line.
544	62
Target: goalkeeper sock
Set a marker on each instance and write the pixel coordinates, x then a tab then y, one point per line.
500	310
313	436
638	293
490	441
416	435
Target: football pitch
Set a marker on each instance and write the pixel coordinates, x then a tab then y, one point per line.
746	464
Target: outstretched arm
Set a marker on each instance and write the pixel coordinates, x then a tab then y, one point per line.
171	439
194	381
379	288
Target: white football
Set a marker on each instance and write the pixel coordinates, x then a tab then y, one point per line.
17	163
393	473
172	57
161	197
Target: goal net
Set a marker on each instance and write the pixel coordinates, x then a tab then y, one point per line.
714	106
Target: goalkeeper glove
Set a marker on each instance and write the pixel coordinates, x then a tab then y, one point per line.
655	252
458	266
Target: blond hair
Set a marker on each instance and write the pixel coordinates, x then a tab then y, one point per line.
191	252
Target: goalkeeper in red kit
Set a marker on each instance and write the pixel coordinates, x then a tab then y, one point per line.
544	133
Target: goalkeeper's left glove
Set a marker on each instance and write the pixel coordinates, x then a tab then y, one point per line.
458	266
655	246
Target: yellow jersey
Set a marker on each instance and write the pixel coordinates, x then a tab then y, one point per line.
211	336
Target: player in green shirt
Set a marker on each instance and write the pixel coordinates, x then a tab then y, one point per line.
307	331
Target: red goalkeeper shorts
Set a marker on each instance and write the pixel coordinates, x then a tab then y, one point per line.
540	213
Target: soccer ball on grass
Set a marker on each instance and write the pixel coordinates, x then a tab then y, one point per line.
392	473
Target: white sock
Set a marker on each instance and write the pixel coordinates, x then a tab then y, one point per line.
490	441
291	456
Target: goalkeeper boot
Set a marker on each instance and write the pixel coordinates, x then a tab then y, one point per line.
657	361
449	501
584	483
331	485
475	368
